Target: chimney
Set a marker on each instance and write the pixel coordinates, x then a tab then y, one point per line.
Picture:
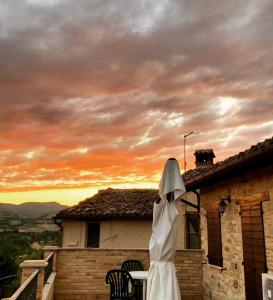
204	158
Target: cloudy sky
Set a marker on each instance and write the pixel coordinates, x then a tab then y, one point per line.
98	93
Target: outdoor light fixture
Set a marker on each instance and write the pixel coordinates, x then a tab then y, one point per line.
222	206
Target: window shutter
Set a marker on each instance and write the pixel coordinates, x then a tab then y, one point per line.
214	237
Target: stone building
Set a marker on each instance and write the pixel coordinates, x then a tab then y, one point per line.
234	199
236	211
122	219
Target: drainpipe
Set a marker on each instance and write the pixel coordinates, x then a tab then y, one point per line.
58	222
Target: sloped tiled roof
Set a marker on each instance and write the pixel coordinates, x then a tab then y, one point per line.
138	203
113	203
259	152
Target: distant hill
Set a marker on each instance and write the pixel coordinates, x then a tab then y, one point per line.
31	209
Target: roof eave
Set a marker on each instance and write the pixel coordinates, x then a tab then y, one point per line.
253	160
102	218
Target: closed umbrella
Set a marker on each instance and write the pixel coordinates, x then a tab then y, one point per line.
162	283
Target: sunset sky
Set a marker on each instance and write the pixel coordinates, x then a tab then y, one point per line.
98	94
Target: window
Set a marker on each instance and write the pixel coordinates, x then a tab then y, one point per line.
214	237
193	231
93	235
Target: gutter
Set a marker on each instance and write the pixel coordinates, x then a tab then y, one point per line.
102	218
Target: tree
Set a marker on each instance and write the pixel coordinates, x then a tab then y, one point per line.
8	265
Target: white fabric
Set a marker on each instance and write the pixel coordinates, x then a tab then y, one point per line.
162	282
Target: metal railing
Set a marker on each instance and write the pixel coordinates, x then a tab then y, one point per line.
27	291
49	267
7	285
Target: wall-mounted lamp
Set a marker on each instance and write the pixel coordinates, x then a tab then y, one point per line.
222	206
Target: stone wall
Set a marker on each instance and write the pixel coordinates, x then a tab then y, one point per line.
227	283
81	272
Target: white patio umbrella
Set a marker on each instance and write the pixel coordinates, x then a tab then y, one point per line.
162	283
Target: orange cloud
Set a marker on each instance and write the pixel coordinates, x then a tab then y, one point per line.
104	99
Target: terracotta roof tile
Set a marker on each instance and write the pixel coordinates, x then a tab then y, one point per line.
113	203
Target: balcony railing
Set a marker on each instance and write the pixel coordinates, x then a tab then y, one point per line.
38	278
49	267
7	284
27	291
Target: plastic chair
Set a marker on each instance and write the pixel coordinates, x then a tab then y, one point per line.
122	285
132	265
135	265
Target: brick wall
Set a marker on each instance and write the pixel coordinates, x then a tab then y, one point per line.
81	272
